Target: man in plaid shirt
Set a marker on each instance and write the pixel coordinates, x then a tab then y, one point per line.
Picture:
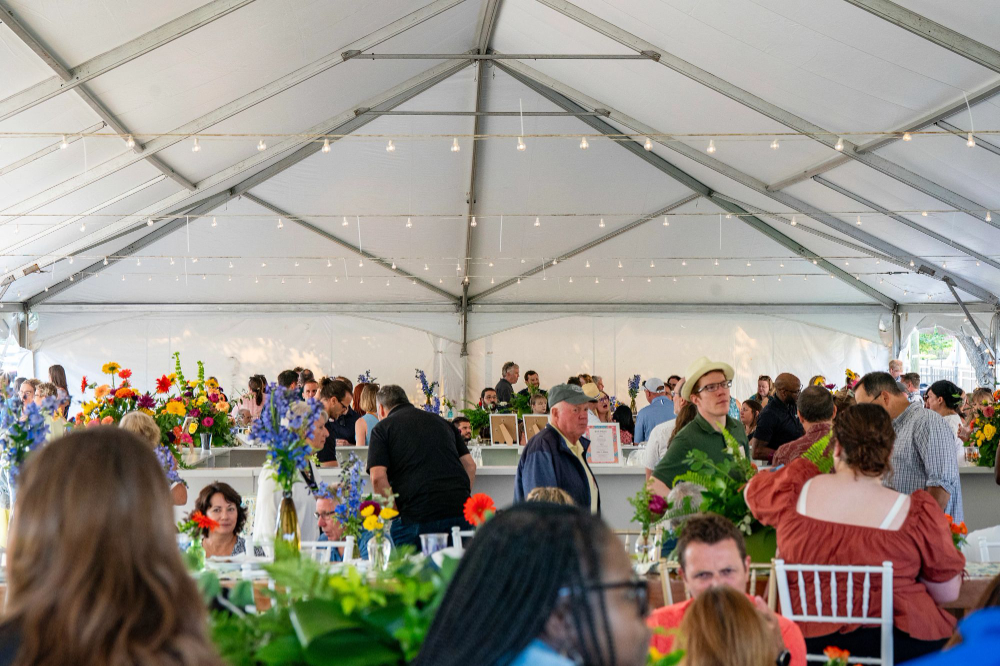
923	457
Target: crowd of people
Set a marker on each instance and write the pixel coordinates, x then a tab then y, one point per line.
548	569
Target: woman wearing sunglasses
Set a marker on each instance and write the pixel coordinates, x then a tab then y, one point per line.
545	585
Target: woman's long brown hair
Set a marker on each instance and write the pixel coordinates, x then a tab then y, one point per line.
722	628
95	576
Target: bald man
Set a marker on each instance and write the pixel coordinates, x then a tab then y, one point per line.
779	420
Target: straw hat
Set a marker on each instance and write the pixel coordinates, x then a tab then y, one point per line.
699	368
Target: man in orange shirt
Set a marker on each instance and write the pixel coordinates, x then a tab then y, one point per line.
712	552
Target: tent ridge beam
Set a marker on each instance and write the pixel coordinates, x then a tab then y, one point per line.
923	122
920	25
697	186
67	79
343	123
243	308
347	246
225	111
979	256
772	111
585	247
680	308
357	55
541	82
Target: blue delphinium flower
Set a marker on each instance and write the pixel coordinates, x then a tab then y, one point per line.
19	437
285	427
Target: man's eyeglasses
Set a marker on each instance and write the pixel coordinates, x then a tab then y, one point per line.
635	591
715	388
325	515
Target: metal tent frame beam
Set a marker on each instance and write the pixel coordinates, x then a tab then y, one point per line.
67	79
932	31
348	246
541	82
768	109
979	256
512	114
587	246
228	110
39	154
343	123
54	63
923	122
357	55
242	308
972	320
963	135
564	101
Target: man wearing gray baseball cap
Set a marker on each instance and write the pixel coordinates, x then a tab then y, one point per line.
659	410
556	457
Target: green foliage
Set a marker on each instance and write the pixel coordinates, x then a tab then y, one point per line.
320	618
478	417
936	345
818	456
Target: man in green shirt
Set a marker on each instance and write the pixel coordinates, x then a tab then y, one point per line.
707	387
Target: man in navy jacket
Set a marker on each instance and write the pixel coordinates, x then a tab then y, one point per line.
556	457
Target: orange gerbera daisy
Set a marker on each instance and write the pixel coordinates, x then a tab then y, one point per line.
123	392
204	522
125	373
102	391
478	509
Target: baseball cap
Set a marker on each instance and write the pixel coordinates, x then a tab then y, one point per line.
570	393
653	385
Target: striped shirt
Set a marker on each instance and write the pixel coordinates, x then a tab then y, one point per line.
924	456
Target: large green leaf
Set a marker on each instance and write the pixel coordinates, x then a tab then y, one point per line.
316	617
353	648
281	651
241	595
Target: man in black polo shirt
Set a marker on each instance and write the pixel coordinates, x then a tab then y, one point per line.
779	420
423	459
336	399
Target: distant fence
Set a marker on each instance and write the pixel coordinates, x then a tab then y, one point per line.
964	376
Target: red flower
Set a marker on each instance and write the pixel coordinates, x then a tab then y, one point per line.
124	373
163	384
834	653
203	521
988	411
83	385
208	422
478	509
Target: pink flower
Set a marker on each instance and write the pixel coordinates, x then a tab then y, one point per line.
988	411
208	422
107	420
657	505
92	423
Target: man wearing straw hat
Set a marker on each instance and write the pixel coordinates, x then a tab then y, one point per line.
708	388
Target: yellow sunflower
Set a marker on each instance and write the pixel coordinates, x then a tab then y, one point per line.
174	407
110	368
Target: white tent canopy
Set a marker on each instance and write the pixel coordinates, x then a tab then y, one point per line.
803	232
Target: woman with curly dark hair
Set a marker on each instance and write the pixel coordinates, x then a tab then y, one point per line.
220	502
849	518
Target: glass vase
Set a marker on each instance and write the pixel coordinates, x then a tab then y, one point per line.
647	548
632	405
286	536
194	556
380	550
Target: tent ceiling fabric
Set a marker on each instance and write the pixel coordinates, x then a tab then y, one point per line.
825	61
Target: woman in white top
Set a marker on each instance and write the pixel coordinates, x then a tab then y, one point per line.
946	399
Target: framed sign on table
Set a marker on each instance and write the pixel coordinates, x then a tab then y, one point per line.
605	445
503	429
534	424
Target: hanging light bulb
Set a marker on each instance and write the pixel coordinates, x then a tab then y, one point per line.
907	137
473	223
454	145
684	263
597	280
840	144
214	223
282	280
649	279
63	145
571	279
555	261
649	144
195	147
748	262
326	146
230	264
296	263
716	262
83	227
491	264
138	262
344	223
794	221
263	264
17	228
458	267
711	146
944	264
619	263
426	267
588	263
601	225
281	225
520	144
859	220
105	261
911	263
651	264
774	145
923	214
492	281
71	260
361	263
583	143
971	143
409	224
261	146
666	221
781	265
171	261
393	264
130	142
988	217
390	147
123	277
329	264
538	222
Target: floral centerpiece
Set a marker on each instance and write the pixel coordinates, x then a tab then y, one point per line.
194	526
19	436
285	427
199	399
835	656
985	428
958	532
432	403
367	378
111	403
650	510
376	513
850	378
633	390
348	494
